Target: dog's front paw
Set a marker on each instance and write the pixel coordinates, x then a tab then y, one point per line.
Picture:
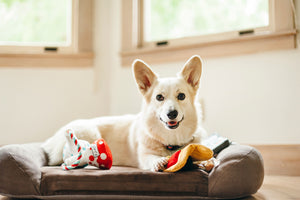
160	164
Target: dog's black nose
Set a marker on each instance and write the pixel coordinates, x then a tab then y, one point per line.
172	114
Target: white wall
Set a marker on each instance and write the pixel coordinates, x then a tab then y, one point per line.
34	102
254	98
250	99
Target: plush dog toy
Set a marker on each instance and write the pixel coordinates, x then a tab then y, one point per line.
181	158
80	153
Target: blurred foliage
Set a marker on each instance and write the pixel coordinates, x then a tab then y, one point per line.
165	19
9	3
37	21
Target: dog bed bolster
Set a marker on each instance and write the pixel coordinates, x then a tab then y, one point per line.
240	172
20	167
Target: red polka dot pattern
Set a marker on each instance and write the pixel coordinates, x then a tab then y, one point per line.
91	158
104	160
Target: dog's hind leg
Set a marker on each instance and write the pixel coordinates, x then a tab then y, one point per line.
54	145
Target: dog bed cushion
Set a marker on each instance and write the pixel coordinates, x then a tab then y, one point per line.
25	174
122	180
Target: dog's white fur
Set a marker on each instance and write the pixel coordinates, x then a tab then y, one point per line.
140	140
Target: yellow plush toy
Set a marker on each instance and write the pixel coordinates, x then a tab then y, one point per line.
180	158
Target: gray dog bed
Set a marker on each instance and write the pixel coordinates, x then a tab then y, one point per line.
25	174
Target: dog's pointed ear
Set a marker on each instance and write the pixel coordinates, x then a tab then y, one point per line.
192	70
143	74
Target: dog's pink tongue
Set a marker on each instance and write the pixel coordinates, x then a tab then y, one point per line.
172	123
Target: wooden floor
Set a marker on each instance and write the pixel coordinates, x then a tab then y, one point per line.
273	188
278	188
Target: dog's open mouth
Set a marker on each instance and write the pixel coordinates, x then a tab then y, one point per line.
172	124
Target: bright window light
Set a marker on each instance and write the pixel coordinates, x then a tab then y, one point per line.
170	19
35	22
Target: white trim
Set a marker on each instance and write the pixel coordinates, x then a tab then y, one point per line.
47	60
227	47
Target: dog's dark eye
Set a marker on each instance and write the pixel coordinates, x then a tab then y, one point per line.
160	97
181	96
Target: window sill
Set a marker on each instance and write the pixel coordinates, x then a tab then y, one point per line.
47	60
235	46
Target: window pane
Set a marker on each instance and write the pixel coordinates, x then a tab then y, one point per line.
169	19
35	22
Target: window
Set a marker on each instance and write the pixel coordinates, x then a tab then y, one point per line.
35	22
169	19
171	30
42	33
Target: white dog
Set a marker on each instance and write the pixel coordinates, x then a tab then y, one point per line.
166	123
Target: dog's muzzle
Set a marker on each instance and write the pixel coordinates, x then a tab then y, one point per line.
172	124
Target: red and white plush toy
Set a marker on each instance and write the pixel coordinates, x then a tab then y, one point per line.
80	153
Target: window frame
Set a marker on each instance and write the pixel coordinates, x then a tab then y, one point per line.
280	34
78	53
